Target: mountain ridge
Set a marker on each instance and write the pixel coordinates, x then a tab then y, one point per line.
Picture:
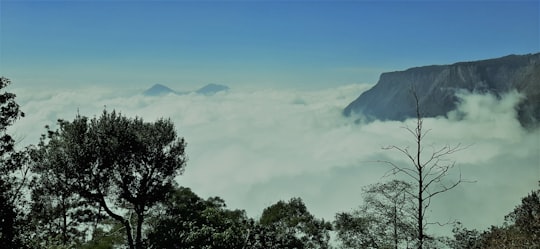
437	86
160	90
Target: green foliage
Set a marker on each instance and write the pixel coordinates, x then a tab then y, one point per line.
521	230
526	219
385	220
9	113
8	217
10	187
465	238
112	163
191	222
293	226
107	234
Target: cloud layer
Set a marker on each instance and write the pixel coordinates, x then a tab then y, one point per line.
255	147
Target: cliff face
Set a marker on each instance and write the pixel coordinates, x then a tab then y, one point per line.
436	86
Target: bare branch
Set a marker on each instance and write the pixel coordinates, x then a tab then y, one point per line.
396	169
429	175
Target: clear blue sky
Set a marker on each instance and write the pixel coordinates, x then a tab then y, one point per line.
299	43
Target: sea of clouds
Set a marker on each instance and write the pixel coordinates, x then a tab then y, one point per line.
254	147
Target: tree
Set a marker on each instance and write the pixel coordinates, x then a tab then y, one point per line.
294	226
10	161
188	221
526	219
383	221
521	229
465	238
124	166
428	173
57	211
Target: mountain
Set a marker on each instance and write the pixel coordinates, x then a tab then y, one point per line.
211	89
436	86
158	90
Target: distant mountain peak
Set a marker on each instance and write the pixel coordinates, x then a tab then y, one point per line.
211	89
158	90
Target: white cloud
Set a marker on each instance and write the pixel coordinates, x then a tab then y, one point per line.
254	147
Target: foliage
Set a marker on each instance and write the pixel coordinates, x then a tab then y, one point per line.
8	217
521	230
107	234
293	226
10	162
464	238
526	219
189	221
383	221
122	165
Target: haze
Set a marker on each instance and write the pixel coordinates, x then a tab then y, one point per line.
292	68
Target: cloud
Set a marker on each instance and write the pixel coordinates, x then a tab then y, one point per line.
254	147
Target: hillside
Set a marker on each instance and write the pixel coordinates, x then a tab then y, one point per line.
437	85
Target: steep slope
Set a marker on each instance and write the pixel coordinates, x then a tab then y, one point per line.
158	90
436	86
211	89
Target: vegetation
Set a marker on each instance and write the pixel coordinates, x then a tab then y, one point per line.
385	220
10	162
427	173
109	182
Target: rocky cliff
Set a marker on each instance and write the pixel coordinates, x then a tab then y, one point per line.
436	86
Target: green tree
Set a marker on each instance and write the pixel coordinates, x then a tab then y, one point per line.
294	226
188	221
526	219
521	229
106	234
124	166
383	221
464	238
58	214
10	162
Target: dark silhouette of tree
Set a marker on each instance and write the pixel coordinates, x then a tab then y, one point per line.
10	162
464	238
124	166
526	219
383	221
428	172
8	217
188	221
521	229
293	226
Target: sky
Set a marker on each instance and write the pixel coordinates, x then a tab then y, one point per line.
305	44
292	67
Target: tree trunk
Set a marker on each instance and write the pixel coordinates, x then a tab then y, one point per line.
129	235
101	200
420	217
395	226
138	238
419	168
64	222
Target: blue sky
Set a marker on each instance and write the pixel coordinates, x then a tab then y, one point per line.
243	43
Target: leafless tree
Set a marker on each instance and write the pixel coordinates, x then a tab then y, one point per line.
428	172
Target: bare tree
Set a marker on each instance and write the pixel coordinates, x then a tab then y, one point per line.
427	171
